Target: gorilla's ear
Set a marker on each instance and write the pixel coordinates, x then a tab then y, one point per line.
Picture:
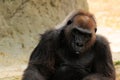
95	29
69	22
62	35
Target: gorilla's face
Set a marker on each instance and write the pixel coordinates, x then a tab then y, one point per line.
80	34
79	39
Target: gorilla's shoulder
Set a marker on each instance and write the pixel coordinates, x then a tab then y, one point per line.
101	41
52	34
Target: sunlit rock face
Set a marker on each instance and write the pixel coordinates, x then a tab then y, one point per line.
21	22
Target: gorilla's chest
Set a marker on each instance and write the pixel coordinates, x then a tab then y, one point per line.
77	61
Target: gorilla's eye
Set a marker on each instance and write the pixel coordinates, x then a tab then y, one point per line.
75	32
69	22
89	35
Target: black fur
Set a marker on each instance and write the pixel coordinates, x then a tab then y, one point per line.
52	60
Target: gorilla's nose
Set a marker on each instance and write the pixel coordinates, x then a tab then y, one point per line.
79	44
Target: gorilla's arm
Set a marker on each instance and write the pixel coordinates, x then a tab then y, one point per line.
41	63
69	73
103	67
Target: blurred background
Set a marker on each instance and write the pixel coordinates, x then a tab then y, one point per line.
21	22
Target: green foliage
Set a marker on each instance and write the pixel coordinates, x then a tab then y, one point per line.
117	63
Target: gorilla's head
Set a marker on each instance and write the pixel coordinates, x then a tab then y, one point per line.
80	32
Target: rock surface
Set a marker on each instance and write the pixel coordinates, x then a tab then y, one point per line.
21	22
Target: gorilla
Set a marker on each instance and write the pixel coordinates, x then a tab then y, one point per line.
72	52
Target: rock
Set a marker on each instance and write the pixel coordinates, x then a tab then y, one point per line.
21	22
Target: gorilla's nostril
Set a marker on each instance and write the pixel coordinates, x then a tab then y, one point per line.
79	44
